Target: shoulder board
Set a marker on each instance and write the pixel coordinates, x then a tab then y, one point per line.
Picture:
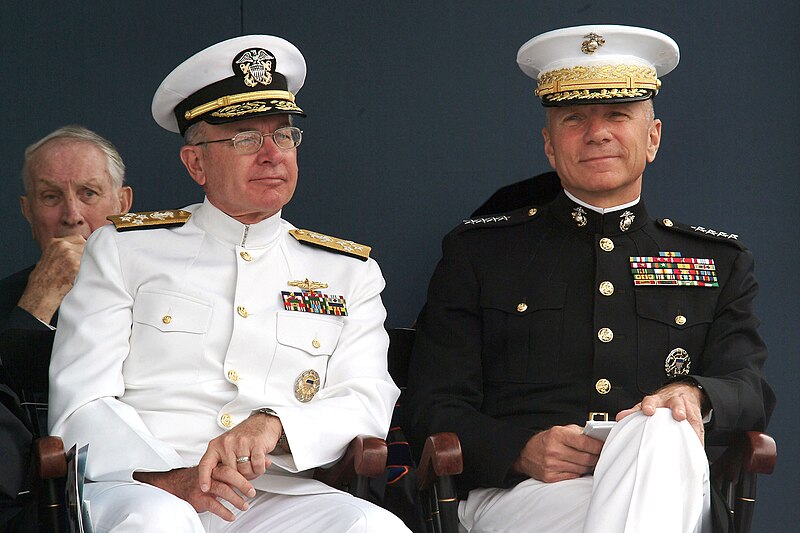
502	219
333	244
150	219
700	231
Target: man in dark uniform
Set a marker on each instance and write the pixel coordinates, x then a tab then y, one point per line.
73	179
542	318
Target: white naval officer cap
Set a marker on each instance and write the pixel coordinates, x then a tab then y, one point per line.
598	64
237	79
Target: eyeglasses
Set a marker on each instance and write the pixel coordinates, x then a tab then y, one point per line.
250	142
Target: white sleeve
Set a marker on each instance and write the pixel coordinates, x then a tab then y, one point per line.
91	344
358	395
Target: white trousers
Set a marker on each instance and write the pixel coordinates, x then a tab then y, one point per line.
652	477
134	507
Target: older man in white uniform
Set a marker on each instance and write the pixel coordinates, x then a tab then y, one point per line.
215	358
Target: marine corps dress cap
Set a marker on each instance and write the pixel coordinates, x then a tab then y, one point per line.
237	79
598	64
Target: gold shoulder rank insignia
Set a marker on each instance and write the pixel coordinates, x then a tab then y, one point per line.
334	244
149	219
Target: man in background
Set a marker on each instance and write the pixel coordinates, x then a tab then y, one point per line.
73	180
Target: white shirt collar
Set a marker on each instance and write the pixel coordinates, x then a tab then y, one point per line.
602	210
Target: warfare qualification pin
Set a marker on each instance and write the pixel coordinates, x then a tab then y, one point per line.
307	285
306	386
677	363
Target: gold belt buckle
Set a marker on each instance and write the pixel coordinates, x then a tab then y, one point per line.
593	416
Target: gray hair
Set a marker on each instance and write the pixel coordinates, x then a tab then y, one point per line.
116	168
649	111
193	132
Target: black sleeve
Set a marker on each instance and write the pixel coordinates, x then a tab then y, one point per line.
734	355
15	442
25	354
445	390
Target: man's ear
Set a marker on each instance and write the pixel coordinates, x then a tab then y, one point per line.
192	157
125	199
654	140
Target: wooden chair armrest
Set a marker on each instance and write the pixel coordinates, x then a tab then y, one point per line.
49	457
760	453
441	456
365	456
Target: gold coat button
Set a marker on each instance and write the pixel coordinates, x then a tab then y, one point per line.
315	343
680	320
246	256
605	335
532	211
667	222
166	319
233	375
603	386
242	312
226	420
522	307
606	288
606	244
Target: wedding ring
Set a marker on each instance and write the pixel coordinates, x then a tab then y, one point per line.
243	459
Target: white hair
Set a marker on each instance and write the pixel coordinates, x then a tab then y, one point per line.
116	168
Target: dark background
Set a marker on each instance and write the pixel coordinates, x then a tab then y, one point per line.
418	112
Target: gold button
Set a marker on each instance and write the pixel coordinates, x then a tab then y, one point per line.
522	307
606	244
233	375
667	222
242	312
606	288
605	334
680	320
532	211
246	256
603	386
226	420
166	319
315	343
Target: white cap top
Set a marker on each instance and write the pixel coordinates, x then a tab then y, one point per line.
581	62
254	83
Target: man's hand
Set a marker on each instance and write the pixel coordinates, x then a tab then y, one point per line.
561	452
182	482
684	399
52	277
253	438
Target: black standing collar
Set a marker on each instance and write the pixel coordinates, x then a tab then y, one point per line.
585	220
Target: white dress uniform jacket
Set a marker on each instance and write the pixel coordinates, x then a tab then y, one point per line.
172	336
